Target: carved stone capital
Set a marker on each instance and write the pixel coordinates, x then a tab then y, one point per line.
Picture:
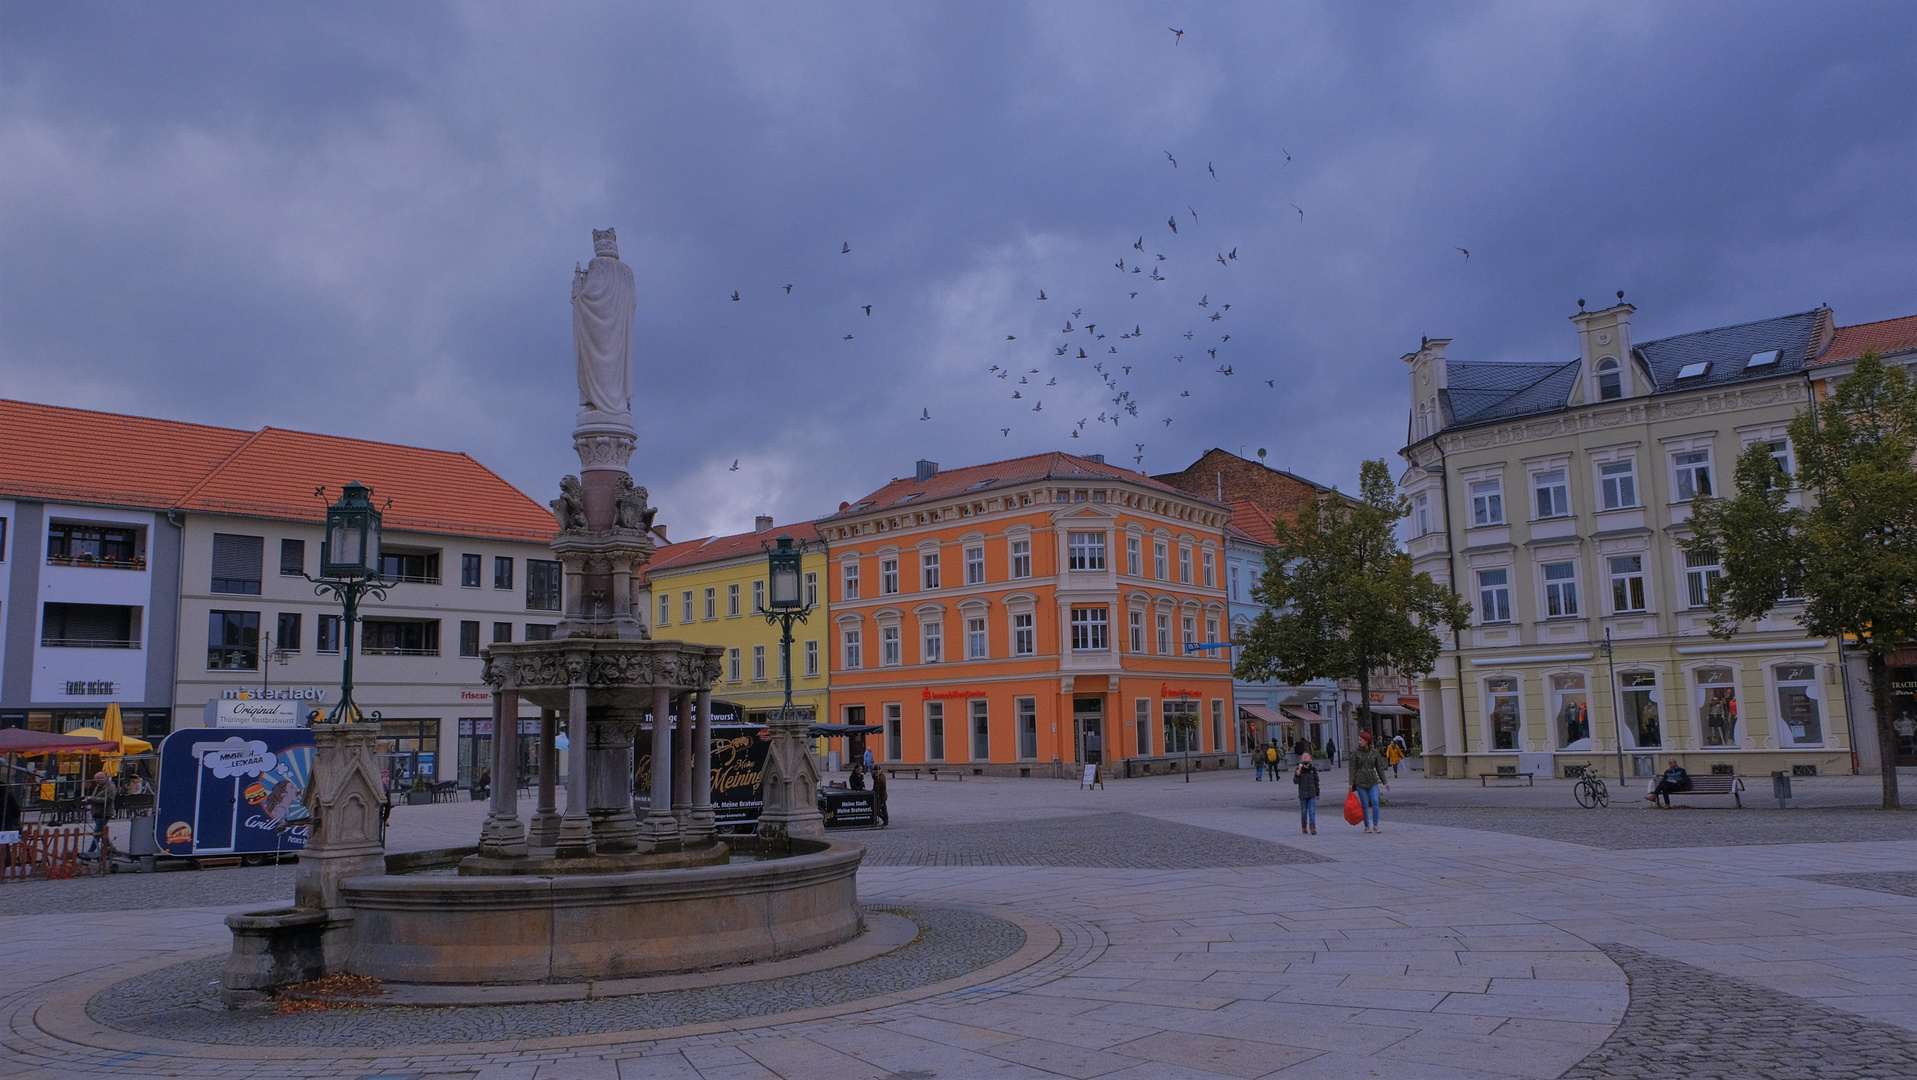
608	450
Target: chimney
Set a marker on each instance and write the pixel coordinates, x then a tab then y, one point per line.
927	470
1100	458
762	523
659	531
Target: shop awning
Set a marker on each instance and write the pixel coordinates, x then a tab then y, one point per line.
818	730
1259	712
1297	717
1393	710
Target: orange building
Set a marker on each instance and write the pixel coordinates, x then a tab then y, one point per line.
1028	616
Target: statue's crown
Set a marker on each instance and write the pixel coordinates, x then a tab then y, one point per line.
606	243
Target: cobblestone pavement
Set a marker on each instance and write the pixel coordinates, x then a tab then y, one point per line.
175	889
1897	883
1685	1021
1102	840
1632	825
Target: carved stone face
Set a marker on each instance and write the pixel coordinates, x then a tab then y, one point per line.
605	243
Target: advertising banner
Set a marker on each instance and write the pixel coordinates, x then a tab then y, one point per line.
256	713
233	791
738	772
848	809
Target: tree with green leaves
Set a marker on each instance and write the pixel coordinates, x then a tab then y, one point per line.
1853	555
1341	598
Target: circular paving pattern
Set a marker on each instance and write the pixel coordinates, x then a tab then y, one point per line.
181	1002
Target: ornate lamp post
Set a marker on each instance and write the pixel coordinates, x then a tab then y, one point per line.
791	779
785	604
349	569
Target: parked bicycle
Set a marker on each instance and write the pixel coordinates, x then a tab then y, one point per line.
1590	791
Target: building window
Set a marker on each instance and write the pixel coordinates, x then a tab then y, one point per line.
1422	506
468	637
1142	720
1560	589
1134	559
935	731
1027	712
894	738
975	565
732	600
665	609
1211	571
1797	696
1717	704
286	636
854	649
981	729
1693	475
70	544
1188	632
1181	727
236	563
93	626
468	568
1184	565
928	569
888	577
1610	380
1627	583
758	597
812	659
399	637
1089	630
1021	558
1553	493
1619	481
1211	630
812	588
502	572
1781	454
293	558
1494	595
975	643
732	666
849	579
685	606
1701	568
1159	565
712	603
1138	631
502	633
1024	634
889	646
758	663
326	634
417	567
1232	573
1643	728
1570	710
931	642
232	640
544	581
1164	633
1487	503
539	631
1501	703
1085	551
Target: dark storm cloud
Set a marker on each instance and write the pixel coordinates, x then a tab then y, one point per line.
242	213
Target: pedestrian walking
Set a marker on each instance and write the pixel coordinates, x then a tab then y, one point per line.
879	812
1306	777
100	804
1258	764
869	759
1366	768
1331	750
1395	754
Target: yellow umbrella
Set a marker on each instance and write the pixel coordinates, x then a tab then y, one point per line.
128	744
112	730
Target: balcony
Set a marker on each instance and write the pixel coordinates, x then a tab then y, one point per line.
98	562
89	643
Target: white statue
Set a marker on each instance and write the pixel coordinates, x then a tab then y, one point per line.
603	301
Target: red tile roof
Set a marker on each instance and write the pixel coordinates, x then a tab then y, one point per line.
991	476
712	549
1887	336
1253	522
269	473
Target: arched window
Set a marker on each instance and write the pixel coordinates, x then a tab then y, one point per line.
1610	380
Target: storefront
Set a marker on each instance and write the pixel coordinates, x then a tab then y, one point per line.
1903	705
408	751
476	748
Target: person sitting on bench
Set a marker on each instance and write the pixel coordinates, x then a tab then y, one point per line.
1674	779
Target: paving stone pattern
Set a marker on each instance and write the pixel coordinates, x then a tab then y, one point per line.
173	889
1684	1021
1110	841
182	1002
1895	882
1632	824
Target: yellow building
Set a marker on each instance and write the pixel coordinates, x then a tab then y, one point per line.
713	591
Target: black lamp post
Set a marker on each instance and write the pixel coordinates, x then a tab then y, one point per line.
349	569
1617	718
785	604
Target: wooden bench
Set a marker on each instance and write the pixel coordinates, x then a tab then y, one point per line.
1485	778
956	774
895	770
1708	785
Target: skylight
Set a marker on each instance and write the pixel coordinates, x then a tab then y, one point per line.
909	498
1763	358
1692	371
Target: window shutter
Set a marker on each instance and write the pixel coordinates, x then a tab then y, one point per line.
238	558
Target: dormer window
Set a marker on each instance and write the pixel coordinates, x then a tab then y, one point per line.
1610	380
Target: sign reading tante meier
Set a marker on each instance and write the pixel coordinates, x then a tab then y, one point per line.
256	713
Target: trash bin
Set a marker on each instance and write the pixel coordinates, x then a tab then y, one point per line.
140	839
1781	788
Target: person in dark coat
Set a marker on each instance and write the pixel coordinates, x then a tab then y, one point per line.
879	812
1306	777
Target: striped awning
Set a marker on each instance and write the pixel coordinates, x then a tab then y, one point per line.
1259	712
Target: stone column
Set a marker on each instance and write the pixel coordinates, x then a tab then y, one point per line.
614	829
682	765
660	829
575	829
545	822
703	826
504	835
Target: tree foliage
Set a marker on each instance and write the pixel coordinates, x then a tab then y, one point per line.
1852	555
1341	598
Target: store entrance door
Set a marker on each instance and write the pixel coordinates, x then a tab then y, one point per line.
1088	730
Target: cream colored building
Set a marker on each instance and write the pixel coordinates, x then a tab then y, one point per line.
1554	497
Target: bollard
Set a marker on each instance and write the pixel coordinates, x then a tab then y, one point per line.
1781	788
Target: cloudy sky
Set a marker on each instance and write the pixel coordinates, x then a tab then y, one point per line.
246	214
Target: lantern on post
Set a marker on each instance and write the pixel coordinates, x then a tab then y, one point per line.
783	574
349	570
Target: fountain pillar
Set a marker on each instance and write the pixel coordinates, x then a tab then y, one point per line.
575	829
682	765
504	835
660	829
614	829
703	828
545	822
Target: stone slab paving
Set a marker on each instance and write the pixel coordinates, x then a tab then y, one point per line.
1897	883
1431	950
1626	826
1105	840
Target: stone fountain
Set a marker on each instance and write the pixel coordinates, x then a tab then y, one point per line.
595	891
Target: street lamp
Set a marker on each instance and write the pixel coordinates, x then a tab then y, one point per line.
785	604
1617	719
349	569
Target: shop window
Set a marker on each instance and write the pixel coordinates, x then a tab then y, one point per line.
1560	589
468	637
894	737
1142	720
853	649
94	626
1501	704
981	727
399	637
1797	708
544	581
1217	725
1717	704
1570	711
1643	726
469	569
1026	710
293	558
1903	711
849	579
1089	630
1494	595
975	643
1024	634
286	636
232	640
935	731
408	751
1619	483
1181	727
1021	558
1627	583
236	563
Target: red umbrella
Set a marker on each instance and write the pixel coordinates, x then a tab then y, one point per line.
22	741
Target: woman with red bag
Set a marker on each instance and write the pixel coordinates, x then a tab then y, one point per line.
1367	767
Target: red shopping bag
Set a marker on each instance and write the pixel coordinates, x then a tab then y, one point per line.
1354	810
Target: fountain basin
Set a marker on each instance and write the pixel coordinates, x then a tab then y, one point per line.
518	929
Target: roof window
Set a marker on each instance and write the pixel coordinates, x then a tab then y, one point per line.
1764	359
1692	371
985	483
909	498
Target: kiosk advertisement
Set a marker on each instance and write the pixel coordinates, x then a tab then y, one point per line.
233	791
738	773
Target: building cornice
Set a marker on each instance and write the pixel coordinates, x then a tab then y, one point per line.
1629	413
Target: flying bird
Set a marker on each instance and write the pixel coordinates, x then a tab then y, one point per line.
1178	35
1467	255
1074	434
1068	325
1082	356
1135	295
1233	254
1016	396
735	294
1221	259
1140	245
1022	381
735	465
1273	383
1171	159
1215	316
1042	296
1173	222
1054	381
1128	369
1213	352
1005	431
1078	313
1205	300
1120	264
1186	393
1194	213
847	249
1212	171
788	290
1301	212
1062	349
1227	337
1168	421
848	337
1287	154
1040	407
1224	307
1009	337
925	414
868	310
1156	276
1180	358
